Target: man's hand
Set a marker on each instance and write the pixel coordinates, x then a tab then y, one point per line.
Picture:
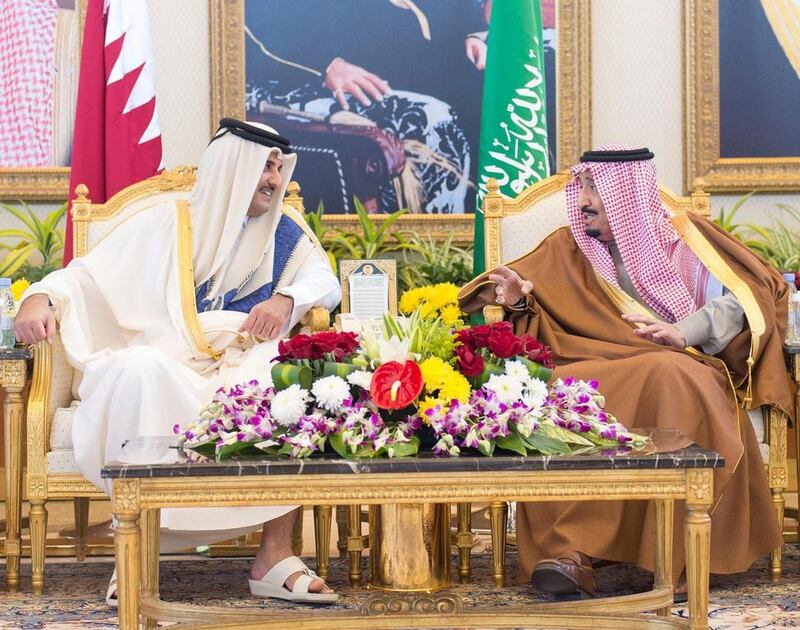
657	331
268	319
35	320
510	287
476	52
344	78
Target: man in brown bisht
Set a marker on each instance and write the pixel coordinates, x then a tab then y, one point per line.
682	326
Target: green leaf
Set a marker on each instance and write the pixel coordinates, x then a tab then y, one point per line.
285	375
238	448
207	449
513	443
407	449
546	445
335	440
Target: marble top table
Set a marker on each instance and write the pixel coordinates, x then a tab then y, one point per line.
668	470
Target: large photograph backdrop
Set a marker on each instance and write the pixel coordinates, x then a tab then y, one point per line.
381	98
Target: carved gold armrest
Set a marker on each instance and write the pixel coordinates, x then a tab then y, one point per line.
317	319
493	313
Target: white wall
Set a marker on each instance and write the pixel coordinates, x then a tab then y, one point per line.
637	95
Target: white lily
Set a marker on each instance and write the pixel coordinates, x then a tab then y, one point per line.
393	349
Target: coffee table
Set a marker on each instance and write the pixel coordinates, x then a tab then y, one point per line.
140	491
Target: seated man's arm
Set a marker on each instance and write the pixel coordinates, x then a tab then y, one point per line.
314	285
714	326
35	320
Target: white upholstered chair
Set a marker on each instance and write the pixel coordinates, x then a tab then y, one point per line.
52	471
513	227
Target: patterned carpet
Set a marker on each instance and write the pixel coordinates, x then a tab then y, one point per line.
74	593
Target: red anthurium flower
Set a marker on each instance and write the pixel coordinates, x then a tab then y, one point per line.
396	385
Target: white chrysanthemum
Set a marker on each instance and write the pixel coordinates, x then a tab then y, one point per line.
289	404
535	393
330	392
508	389
361	378
517	370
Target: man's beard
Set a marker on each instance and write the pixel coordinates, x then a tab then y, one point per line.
593	232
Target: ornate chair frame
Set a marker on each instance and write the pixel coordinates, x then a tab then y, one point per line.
496	210
49	362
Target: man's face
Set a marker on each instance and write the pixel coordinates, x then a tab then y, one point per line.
268	184
595	221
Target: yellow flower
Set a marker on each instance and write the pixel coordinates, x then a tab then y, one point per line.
429	402
18	288
410	300
440	376
450	314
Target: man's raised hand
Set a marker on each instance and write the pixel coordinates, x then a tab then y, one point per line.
656	331
35	320
510	288
268	318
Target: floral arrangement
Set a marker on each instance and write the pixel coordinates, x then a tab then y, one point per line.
410	381
432	301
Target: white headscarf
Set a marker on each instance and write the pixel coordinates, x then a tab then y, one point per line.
227	178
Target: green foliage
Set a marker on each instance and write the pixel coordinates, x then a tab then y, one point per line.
35	235
428	261
371	238
777	243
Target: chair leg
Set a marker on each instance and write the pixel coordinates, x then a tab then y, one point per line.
341	528
38	520
322	538
498	513
81	507
297	534
777	473
464	539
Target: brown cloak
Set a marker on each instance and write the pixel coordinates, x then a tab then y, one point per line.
649	386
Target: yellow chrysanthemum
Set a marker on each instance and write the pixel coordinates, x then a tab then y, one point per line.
411	299
456	386
429	402
434	373
450	314
18	288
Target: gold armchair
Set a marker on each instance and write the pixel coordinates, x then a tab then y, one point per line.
52	470
513	227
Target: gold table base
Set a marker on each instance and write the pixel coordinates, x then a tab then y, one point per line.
136	503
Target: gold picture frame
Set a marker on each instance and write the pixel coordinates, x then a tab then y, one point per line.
701	118
386	266
574	115
41	183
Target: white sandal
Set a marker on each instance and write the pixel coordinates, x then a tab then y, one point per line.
111	593
273	583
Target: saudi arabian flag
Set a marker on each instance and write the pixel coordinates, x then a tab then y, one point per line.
513	148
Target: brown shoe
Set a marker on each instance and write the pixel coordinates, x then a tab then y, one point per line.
569	574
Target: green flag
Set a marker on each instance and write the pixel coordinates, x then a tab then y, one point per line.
513	146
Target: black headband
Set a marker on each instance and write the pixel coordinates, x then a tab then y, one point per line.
630	155
252	133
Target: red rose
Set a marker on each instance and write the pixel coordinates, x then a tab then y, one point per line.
480	336
505	345
536	351
469	363
298	347
465	337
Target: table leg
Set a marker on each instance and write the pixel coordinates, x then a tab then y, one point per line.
354	543
662	546
498	515
14	382
150	526
697	540
464	539
127	551
322	537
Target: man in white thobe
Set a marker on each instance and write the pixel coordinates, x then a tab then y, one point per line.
178	300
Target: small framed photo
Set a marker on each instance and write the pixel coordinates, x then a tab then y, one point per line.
369	288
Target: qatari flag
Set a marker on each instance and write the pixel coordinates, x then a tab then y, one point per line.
117	136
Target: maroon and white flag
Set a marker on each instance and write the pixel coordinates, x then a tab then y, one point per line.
117	136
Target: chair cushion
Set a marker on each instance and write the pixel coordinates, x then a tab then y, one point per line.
61	462
61	428
757	420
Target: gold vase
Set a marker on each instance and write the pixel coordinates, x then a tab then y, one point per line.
409	547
